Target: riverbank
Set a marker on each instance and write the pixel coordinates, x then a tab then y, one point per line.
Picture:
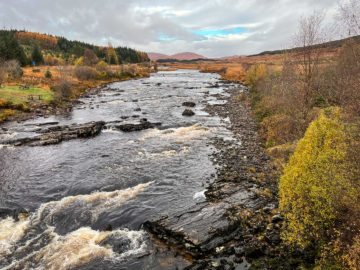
25	108
239	222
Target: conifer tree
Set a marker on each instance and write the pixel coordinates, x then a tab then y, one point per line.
37	56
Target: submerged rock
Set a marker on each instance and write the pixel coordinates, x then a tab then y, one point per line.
188	112
189	104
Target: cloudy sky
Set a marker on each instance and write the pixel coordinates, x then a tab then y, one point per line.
212	28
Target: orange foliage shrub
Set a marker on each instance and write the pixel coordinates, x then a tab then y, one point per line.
4	103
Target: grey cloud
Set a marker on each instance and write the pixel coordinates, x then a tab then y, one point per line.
139	23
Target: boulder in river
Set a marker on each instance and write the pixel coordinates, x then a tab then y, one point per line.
189	104
188	112
144	124
57	134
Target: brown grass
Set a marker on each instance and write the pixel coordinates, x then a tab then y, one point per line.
235	70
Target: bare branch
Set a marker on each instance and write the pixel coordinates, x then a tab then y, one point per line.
349	16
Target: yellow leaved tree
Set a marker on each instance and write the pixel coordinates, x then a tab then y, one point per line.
256	73
318	186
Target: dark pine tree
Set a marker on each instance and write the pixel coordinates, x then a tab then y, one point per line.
10	48
112	60
37	56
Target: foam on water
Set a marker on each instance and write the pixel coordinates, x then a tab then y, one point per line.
7	136
110	130
181	134
7	146
80	247
76	247
118	101
166	153
95	203
10	232
200	195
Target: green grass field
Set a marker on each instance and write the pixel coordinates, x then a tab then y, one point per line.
17	95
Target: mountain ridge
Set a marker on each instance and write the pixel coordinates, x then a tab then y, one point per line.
178	56
187	56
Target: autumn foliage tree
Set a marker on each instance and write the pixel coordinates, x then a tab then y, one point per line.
46	41
90	58
255	74
320	186
111	56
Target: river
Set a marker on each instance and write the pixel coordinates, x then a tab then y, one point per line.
81	204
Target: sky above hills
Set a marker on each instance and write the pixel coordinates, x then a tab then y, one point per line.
212	28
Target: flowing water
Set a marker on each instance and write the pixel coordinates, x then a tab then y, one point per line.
80	204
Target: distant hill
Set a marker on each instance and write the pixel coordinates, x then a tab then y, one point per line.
187	56
330	44
178	56
157	56
230	57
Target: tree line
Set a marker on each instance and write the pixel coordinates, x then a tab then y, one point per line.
27	47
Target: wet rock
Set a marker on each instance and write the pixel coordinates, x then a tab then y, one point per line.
276	218
57	134
254	252
239	251
188	112
273	238
269	207
137	110
238	259
189	104
118	245
144	124
216	85
48	123
108	228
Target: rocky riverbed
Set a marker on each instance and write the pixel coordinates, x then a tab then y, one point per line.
239	222
101	173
